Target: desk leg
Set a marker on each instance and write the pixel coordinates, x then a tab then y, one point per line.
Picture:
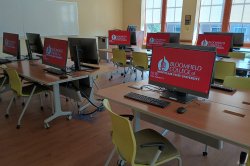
137	120
57	107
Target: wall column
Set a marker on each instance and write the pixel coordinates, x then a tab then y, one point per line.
189	32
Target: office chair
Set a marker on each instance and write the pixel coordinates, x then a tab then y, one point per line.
21	91
140	62
223	69
238	55
145	147
242	83
120	60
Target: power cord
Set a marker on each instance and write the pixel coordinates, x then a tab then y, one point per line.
98	108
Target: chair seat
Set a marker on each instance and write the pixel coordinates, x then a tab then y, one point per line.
145	155
26	91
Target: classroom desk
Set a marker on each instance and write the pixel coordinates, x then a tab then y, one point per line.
242	49
135	49
33	71
241	64
205	121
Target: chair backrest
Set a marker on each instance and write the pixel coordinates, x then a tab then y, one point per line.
14	81
140	59
242	83
238	55
122	135
119	56
223	69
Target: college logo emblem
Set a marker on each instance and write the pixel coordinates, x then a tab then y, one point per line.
163	65
113	37
151	40
48	50
204	42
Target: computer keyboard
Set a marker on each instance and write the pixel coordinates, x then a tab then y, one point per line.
221	87
3	61
148	100
54	71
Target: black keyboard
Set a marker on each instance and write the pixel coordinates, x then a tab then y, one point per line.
54	71
148	100
3	61
221	87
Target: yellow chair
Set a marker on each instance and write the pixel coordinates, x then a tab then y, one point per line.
21	91
120	60
145	147
223	69
238	55
242	83
140	62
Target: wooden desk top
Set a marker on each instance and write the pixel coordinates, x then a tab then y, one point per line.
33	70
223	122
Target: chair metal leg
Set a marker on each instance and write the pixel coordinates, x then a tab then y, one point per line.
179	161
110	157
8	108
205	151
41	101
24	109
3	83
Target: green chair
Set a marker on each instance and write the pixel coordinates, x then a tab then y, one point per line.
140	62
21	91
120	60
145	147
238	55
242	83
223	69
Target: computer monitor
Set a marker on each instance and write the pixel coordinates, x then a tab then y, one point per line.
156	39
120	38
11	44
35	43
174	37
83	50
238	38
132	30
55	53
223	43
185	72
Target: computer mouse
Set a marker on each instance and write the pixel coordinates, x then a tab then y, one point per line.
181	110
63	77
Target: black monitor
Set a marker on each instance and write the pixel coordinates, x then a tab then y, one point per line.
185	71
11	44
238	38
174	38
132	30
35	43
83	48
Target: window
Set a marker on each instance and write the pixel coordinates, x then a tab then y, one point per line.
211	14
240	18
173	18
153	15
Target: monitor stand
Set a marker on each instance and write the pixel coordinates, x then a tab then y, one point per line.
178	96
